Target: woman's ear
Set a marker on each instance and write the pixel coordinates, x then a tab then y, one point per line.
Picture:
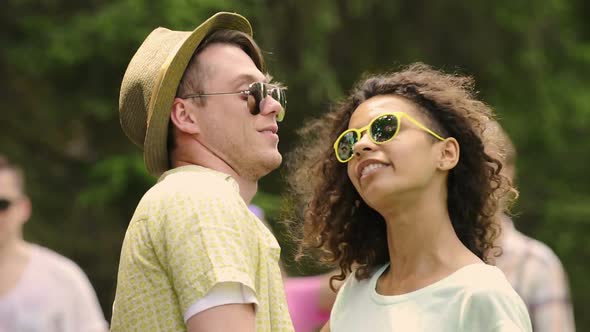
449	154
183	116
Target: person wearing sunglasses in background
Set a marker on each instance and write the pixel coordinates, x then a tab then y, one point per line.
396	182
40	290
194	258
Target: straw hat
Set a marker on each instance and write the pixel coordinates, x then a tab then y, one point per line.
152	78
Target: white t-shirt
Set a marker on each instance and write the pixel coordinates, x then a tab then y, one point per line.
475	298
53	295
222	293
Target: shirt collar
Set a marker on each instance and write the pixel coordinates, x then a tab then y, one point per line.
201	169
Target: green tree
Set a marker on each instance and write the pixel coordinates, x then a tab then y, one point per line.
62	63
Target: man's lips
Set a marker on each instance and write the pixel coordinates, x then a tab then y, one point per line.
272	129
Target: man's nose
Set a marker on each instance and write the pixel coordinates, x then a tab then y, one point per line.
269	105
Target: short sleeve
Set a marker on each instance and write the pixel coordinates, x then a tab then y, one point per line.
205	240
549	300
506	326
82	309
222	293
495	311
189	233
85	307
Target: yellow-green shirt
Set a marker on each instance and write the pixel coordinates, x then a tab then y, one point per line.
191	231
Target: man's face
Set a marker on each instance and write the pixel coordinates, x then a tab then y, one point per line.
247	143
18	211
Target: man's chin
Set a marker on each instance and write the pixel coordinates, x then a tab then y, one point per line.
269	164
273	162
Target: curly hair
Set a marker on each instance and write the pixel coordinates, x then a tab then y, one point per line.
341	225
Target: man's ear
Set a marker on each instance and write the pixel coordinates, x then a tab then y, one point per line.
183	116
449	154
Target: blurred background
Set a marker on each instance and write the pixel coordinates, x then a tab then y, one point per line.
62	61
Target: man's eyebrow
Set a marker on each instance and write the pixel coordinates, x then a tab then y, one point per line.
268	78
247	78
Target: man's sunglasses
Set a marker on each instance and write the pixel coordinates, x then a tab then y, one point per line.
381	129
256	92
5	204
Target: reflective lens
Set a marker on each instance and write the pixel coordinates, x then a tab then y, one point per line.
345	145
383	128
258	91
4	204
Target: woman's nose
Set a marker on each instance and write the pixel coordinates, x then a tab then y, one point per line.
364	144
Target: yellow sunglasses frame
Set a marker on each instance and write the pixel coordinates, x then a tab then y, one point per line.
359	132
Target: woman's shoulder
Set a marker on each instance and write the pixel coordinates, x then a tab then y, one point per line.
483	278
490	300
354	284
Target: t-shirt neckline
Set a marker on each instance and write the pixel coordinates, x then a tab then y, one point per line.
390	299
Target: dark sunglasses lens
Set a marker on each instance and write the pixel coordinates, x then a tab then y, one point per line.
257	90
384	128
279	95
345	145
4	204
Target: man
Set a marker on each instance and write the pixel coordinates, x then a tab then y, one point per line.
194	257
310	298
40	290
532	268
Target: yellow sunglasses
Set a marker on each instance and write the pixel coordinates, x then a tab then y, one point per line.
382	129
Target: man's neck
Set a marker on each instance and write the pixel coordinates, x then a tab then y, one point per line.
14	259
14	250
248	188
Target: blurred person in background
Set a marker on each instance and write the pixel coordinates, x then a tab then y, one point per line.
532	268
310	298
204	111
405	190
40	290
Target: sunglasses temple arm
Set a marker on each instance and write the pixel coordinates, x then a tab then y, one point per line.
425	129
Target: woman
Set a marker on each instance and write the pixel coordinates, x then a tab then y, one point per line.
403	190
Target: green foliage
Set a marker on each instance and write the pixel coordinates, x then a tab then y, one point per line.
62	63
269	203
109	179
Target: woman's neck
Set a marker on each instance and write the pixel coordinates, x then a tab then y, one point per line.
423	246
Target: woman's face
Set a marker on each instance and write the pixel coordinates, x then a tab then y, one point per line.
400	169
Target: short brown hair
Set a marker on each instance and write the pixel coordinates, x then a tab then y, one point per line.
194	75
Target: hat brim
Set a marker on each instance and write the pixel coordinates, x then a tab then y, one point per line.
155	145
